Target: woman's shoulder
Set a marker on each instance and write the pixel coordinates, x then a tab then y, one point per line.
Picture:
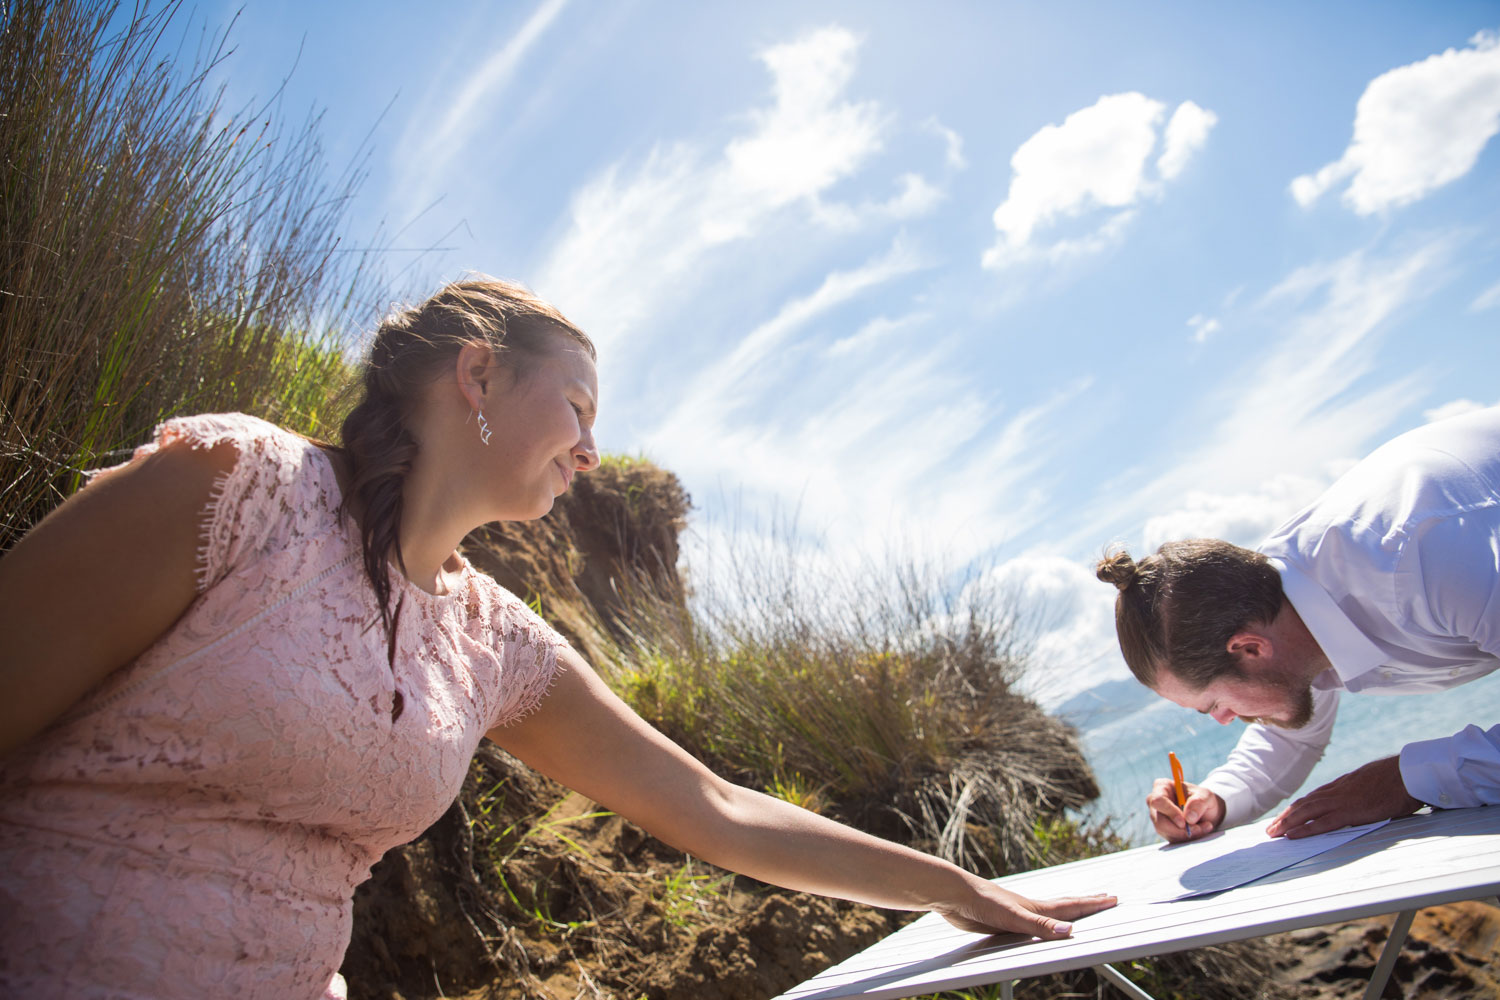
246	432
279	488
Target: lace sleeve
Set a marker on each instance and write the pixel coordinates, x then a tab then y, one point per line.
247	503
528	652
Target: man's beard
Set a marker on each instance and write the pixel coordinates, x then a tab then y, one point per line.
1302	710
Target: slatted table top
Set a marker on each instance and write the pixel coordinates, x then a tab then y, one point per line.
1418	861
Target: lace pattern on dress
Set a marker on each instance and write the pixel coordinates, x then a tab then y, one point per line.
199	827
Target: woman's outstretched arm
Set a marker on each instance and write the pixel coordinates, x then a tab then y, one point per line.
98	581
588	739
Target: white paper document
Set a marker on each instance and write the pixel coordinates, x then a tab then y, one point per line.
1224	860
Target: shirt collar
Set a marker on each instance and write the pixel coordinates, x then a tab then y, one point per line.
1348	649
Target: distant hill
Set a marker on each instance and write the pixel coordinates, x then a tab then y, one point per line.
1110	700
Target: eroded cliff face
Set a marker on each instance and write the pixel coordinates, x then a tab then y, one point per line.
616	529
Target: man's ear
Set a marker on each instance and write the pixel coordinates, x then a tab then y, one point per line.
1250	645
473	370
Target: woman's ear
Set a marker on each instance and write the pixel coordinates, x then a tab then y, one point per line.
473	370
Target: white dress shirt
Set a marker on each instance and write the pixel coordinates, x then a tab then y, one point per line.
1396	572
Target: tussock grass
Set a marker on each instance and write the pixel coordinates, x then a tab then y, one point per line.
883	695
159	252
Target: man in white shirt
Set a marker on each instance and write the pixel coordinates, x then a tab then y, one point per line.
1389	583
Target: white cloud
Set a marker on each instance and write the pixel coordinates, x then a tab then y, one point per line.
810	137
1487	299
1203	327
1455	408
900	438
425	152
953	144
915	198
1242	518
1068	615
719	387
875	331
1416	128
1093	163
1186	133
636	234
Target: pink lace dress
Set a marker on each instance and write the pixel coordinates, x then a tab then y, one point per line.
196	825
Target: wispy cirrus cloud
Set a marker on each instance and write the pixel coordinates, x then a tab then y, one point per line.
1308	402
427	150
1092	166
1487	299
863	431
953	144
1275	434
635	232
1203	327
1416	128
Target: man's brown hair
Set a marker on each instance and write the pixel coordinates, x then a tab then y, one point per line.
1179	608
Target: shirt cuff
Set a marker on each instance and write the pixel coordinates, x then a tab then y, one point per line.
1430	769
1238	799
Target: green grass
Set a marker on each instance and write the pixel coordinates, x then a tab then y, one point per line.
160	253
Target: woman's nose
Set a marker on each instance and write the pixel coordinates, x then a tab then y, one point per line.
586	453
1223	716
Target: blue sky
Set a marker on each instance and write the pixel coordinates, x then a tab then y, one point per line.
1006	282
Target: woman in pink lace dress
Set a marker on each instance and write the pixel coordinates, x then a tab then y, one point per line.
240	667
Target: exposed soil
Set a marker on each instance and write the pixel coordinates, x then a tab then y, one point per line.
580	905
1451	953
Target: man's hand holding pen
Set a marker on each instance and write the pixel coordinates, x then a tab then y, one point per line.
1181	810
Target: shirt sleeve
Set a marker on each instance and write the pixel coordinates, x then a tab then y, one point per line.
1460	577
1455	772
1270	763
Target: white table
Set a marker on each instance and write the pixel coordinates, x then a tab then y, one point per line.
1419	861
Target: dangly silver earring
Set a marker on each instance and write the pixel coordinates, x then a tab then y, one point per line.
484	429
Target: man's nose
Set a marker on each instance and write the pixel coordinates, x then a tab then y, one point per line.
1223	716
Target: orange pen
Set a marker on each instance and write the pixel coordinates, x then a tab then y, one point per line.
1177	778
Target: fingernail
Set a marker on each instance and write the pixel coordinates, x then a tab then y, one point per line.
1063	928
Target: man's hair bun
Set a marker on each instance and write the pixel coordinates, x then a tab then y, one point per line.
1117	568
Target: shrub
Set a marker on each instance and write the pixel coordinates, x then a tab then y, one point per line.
884	695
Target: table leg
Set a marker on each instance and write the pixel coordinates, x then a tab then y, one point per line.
1110	973
1008	990
1389	954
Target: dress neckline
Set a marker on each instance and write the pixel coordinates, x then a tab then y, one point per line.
464	573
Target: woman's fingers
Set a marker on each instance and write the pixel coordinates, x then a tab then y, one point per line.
1048	919
1073	907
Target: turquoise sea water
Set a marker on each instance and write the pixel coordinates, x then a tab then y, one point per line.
1129	752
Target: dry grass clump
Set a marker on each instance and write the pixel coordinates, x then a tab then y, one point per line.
159	253
882	696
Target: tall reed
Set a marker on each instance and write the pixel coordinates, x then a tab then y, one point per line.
159	252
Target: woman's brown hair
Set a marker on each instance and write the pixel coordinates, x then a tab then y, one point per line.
411	348
1179	608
